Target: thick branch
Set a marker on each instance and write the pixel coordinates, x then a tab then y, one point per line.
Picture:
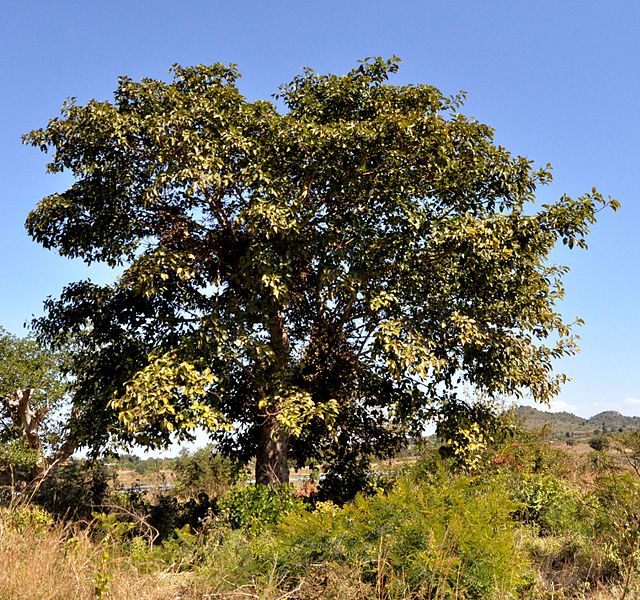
28	421
24	418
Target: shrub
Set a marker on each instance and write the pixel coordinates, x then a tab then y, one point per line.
163	513
75	490
617	519
600	443
549	503
467	429
17	462
252	507
342	481
530	452
452	537
26	519
205	472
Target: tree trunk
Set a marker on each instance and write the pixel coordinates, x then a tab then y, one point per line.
272	466
272	454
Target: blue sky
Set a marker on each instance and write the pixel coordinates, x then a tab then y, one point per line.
557	80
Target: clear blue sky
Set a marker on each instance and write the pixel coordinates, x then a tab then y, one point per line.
559	81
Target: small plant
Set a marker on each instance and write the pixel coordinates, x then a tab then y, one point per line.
111	528
22	519
180	550
548	503
253	507
103	577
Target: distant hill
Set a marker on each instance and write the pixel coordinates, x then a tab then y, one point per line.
565	424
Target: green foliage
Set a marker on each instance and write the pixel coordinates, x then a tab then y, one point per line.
161	514
103	577
351	475
148	395
31	425
617	517
448	539
227	563
180	550
599	545
627	447
549	503
537	472
17	457
600	443
252	508
561	425
142	466
466	431
110	527
523	526
526	452
26	519
164	515
319	278
205	471
24	363
74	490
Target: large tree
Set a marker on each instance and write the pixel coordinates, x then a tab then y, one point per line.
307	279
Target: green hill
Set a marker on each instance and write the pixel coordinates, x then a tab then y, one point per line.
565	424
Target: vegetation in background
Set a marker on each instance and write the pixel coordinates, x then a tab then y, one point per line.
205	471
75	490
564	425
34	434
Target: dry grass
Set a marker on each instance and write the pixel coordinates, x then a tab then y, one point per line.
64	563
60	563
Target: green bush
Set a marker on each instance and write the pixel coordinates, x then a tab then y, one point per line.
600	443
205	472
348	474
26	519
253	507
616	498
452	538
530	452
547	502
164	513
17	463
599	546
75	490
178	551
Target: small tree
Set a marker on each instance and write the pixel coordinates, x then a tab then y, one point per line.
205	471
312	283
32	391
600	443
627	447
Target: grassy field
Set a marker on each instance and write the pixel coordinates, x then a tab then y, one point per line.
533	519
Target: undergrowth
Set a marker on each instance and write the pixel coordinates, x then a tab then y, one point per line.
528	522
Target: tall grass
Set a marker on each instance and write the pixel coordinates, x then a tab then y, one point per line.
47	561
523	526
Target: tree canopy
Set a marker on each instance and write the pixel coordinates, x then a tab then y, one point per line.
310	278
